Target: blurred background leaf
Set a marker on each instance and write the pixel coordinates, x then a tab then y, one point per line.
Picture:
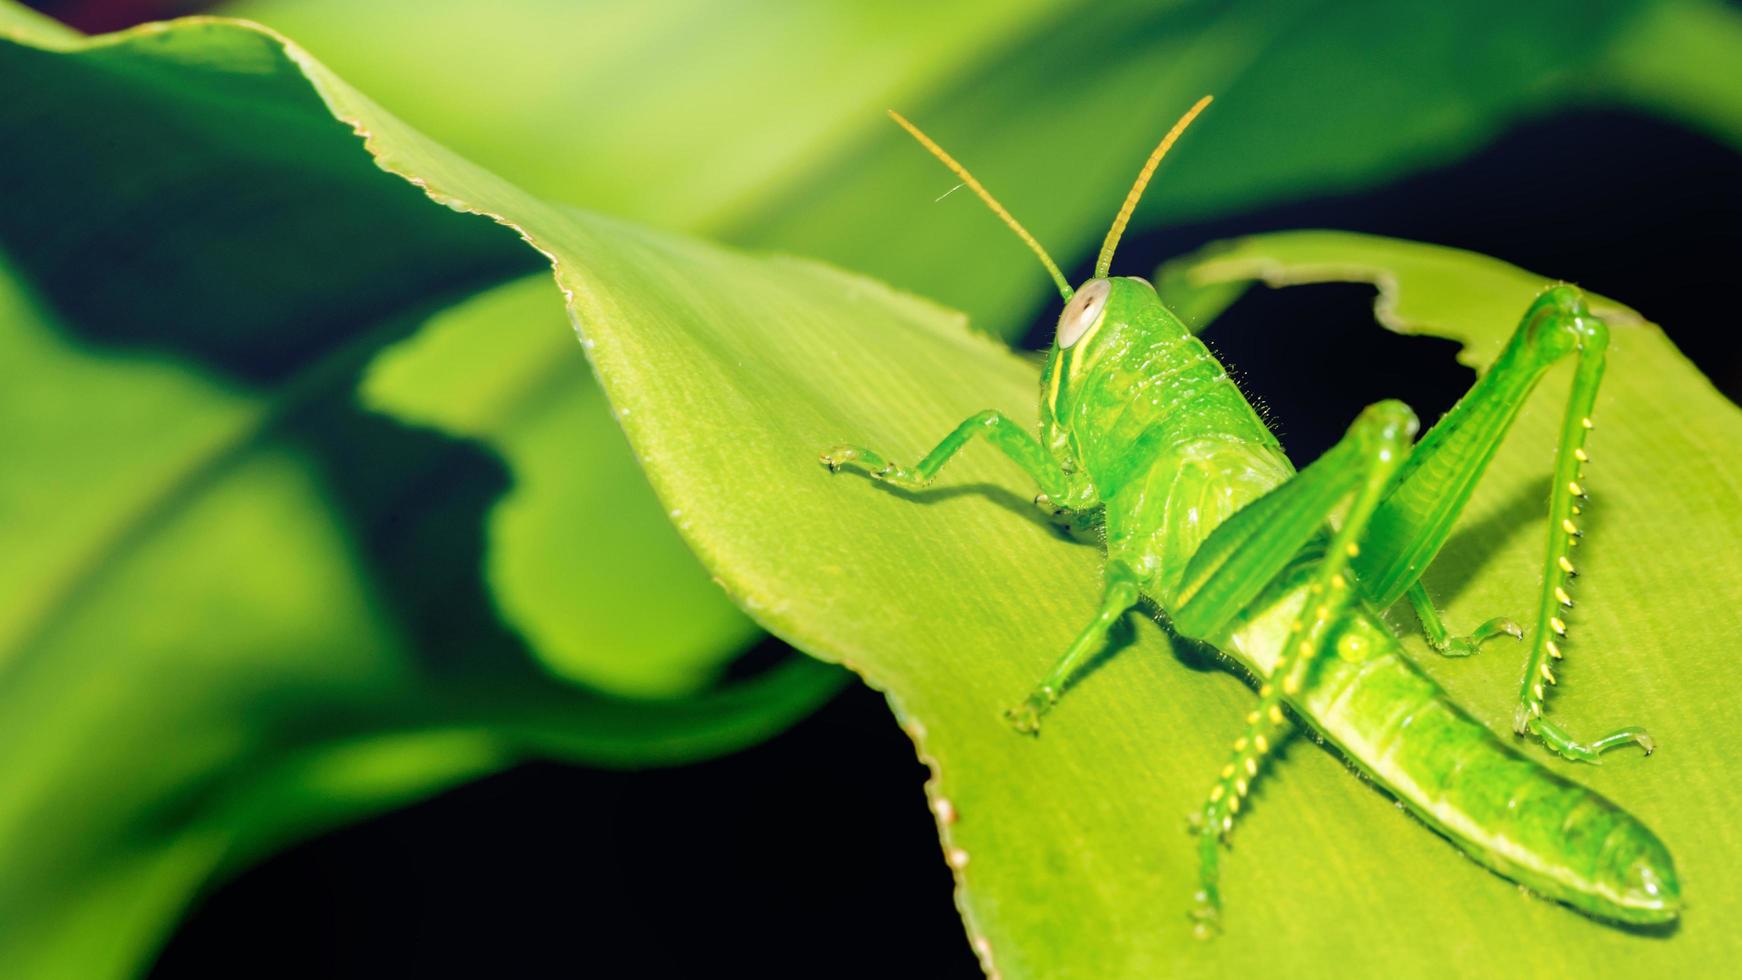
713	119
240	607
582	559
230	652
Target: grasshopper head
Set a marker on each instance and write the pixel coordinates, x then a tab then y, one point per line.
1105	314
1106	317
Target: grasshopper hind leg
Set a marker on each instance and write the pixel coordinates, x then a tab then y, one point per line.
1567	502
1419	510
1356	470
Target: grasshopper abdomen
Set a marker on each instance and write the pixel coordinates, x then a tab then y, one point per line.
1520	819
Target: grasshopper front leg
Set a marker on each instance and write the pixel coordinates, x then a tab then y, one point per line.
1121	590
993	426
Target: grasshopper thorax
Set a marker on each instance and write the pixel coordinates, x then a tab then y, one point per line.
1126	380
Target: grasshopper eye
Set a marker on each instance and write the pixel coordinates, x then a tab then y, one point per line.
1082	311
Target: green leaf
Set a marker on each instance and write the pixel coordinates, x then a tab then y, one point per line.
242	194
238	607
28	25
202	663
1070	851
1673	62
683	113
583	559
763	122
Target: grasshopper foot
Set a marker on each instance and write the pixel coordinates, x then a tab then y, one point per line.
838	456
1025	717
1206	914
1463	646
843	457
1564	745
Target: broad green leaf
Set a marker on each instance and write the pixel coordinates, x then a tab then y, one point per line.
1677	60
244	197
680	113
1069	849
762	123
1070	855
238	607
202	665
582	558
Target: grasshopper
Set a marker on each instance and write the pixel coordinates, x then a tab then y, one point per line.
1144	439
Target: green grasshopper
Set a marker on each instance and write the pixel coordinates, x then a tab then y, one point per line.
1145	439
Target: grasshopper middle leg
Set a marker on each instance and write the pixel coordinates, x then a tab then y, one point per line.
1120	593
1441	639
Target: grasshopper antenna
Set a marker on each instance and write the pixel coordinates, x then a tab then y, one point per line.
991	202
1105	262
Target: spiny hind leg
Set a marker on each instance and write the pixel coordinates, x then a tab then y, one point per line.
1119	593
1567	502
1418	512
1441	639
1373	450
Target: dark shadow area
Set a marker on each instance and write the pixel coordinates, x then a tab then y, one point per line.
1193	654
134	262
1310	358
1120	635
97	16
763	656
810	855
415	501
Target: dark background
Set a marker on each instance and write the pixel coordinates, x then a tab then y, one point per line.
814	853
